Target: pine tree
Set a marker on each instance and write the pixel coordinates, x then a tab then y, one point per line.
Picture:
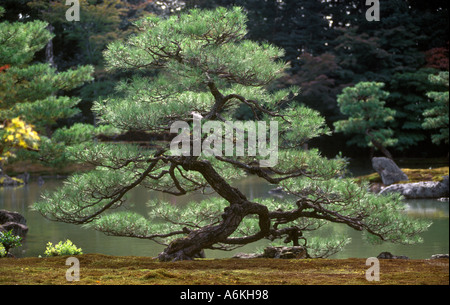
100	24
408	98
364	104
14	132
205	70
82	42
436	117
30	91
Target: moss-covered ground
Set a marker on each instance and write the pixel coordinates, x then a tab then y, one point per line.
97	269
414	175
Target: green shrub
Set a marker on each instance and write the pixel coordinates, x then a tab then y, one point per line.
2	251
9	241
60	249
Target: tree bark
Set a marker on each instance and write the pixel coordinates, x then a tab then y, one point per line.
379	146
49	55
191	246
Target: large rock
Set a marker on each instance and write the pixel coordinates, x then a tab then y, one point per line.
247	255
297	252
286	252
389	255
419	190
388	170
8	216
5	180
439	256
13	221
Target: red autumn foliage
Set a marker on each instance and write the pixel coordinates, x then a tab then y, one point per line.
5	67
437	58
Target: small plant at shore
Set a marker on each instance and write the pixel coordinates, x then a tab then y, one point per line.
60	249
9	241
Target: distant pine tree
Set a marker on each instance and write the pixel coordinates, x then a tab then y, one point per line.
436	117
30	91
368	118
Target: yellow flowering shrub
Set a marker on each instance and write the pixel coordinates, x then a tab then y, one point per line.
14	134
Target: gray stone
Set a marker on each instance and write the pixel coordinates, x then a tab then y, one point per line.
438	256
388	170
247	255
277	190
389	255
286	252
16	228
13	221
294	252
25	177
5	180
9	216
417	190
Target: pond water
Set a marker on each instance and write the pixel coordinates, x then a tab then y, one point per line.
41	231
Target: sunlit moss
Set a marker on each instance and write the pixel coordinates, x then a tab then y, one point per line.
414	175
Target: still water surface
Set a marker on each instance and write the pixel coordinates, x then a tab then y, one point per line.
41	231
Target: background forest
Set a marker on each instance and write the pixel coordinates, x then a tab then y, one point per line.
329	44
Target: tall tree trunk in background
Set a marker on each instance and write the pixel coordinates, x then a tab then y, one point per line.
50	59
49	56
378	145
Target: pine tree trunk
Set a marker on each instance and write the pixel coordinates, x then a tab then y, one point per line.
192	245
379	146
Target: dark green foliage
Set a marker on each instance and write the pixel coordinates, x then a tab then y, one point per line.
368	120
30	89
408	99
436	116
318	83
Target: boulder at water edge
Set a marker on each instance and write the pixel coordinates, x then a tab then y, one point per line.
13	221
389	171
420	190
